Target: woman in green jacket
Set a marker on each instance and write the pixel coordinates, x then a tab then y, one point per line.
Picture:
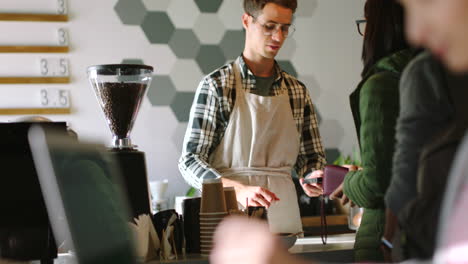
375	108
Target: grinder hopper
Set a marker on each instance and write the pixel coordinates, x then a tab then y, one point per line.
120	89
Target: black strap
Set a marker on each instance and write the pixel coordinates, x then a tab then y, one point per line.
323	221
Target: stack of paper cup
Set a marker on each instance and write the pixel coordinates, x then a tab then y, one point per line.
231	199
212	211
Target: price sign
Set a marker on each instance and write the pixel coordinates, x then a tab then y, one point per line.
62	36
61	7
54	98
54	67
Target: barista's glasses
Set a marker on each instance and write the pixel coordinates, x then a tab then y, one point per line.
361	26
270	28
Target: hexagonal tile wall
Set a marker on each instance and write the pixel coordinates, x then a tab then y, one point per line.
161	91
183	13
306	8
230	14
209	58
132	61
317	114
208	6
332	154
184	44
209	29
288	49
181	105
131	12
332	132
232	43
287	67
164	61
158	27
178	135
156	5
312	85
186	75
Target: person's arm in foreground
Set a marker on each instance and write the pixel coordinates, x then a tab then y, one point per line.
247	241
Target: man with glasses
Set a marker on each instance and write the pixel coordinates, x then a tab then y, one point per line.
252	124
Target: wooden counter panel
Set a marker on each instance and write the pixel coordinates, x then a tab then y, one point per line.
314	221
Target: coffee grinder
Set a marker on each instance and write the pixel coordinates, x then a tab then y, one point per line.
120	88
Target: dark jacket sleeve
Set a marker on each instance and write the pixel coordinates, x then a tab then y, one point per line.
424	110
378	107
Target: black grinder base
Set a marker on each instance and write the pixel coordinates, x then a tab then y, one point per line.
135	180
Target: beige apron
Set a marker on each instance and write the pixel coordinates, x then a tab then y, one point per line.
259	148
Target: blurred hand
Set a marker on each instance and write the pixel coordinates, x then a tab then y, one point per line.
351	167
338	194
387	254
312	189
247	241
256	196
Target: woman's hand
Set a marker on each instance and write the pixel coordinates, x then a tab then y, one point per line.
312	189
338	193
351	167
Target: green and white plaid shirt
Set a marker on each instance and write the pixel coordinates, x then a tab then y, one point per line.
211	109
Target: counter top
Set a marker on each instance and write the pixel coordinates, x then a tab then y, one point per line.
314	244
339	248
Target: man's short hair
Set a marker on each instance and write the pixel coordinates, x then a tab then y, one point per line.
254	7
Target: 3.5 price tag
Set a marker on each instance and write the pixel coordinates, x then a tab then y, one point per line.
54	67
54	98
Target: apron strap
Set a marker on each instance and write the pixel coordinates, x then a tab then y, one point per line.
237	77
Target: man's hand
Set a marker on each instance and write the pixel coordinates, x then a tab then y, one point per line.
312	189
255	196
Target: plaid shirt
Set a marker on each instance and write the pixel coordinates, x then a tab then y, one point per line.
211	109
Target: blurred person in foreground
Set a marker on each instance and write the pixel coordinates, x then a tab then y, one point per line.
429	110
441	26
430	127
248	241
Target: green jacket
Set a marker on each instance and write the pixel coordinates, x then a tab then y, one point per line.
375	107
